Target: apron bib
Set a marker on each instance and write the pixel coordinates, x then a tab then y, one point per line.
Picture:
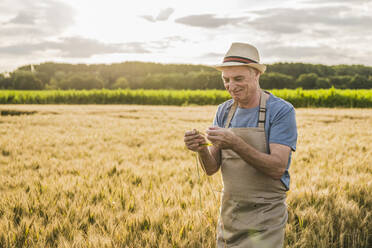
253	212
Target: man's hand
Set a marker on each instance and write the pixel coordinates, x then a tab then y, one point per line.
194	141
223	138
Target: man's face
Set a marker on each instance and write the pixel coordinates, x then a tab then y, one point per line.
241	82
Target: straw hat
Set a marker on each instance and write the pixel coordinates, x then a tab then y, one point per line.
242	54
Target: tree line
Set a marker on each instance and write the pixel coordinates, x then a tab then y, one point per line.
144	75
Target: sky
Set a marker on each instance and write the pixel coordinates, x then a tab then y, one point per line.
173	31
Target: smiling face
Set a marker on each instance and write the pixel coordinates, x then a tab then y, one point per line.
242	84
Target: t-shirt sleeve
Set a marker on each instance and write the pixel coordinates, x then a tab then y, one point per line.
216	120
284	129
215	123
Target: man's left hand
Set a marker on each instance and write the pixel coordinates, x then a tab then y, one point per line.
222	137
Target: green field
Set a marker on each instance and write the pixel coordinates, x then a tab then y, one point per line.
298	97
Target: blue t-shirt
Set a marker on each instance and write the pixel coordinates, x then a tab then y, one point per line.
280	124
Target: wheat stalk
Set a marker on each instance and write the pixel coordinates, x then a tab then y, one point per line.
205	136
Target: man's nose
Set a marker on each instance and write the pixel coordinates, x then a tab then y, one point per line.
232	86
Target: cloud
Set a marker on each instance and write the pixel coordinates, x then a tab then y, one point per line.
213	55
288	20
281	28
286	52
24	17
163	15
149	18
208	21
211	58
59	15
74	47
176	38
37	19
320	54
166	43
19	32
335	1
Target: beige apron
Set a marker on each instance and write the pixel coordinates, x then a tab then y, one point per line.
253	211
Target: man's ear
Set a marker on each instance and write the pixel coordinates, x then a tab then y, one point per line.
257	74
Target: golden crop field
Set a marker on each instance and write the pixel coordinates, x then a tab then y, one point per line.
120	176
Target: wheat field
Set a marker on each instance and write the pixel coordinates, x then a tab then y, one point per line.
120	176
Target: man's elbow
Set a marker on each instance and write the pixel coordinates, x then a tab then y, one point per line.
211	172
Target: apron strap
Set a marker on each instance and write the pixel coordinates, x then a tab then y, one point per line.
261	115
262	109
231	114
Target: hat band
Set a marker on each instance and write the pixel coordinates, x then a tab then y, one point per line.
238	59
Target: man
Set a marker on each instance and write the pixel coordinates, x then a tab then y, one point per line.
253	135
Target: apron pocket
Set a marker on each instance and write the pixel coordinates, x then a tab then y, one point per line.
275	215
260	215
249	215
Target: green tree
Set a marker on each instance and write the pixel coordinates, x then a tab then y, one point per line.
340	82
183	76
163	80
78	81
120	83
360	82
275	80
351	70
296	69
203	80
55	81
26	80
307	81
6	82
53	85
322	83
2	81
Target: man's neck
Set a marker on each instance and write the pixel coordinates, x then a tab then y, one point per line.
252	102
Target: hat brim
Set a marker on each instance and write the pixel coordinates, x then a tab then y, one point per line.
259	67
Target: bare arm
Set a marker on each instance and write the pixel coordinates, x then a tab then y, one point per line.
273	164
210	159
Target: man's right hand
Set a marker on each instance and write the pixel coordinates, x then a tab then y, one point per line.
194	141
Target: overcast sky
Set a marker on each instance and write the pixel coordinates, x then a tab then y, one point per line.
193	31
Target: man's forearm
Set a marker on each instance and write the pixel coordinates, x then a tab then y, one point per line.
208	161
269	164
